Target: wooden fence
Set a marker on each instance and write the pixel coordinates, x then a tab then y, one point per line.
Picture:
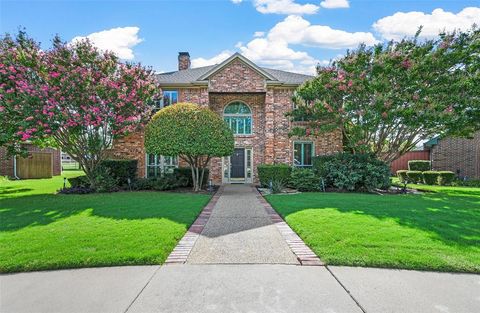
36	165
402	162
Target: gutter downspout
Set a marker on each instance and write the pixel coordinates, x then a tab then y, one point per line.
15	167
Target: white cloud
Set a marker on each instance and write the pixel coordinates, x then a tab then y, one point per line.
237	1
335	4
273	49
119	40
284	7
199	62
296	30
402	24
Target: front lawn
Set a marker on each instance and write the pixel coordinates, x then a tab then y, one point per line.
28	187
40	230
434	231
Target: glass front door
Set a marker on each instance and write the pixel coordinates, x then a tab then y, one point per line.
237	168
237	164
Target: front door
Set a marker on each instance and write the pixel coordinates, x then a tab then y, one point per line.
237	163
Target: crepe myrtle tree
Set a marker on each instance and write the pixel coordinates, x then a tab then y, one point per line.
193	133
21	94
387	98
73	95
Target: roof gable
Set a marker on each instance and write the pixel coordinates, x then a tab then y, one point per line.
237	56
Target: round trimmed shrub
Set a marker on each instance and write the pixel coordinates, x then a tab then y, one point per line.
419	165
402	176
445	178
430	177
415	177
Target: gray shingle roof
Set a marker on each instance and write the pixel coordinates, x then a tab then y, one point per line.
191	75
183	77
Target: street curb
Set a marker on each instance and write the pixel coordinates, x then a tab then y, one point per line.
181	252
303	253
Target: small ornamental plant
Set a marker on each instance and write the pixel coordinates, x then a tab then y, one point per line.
191	132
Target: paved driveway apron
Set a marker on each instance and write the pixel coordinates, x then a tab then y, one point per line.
240	231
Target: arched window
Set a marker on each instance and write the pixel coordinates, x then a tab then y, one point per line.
239	117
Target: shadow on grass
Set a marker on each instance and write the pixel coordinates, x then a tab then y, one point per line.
13	190
454	219
17	213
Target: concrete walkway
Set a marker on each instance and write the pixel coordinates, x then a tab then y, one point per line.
240	231
239	288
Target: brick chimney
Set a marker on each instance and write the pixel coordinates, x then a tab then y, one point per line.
183	61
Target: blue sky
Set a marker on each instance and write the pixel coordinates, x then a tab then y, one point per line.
286	34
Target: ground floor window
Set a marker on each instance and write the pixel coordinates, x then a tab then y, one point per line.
158	165
302	153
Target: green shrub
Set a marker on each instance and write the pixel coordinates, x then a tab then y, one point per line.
277	186
185	175
430	177
353	172
467	183
167	182
415	177
80	181
445	178
142	184
104	180
402	176
121	170
305	180
273	172
319	164
419	165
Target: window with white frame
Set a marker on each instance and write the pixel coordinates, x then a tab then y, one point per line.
238	117
302	153
157	165
169	97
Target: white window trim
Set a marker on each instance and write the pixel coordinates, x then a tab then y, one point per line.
161	165
240	115
293	153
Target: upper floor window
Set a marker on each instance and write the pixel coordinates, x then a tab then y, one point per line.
157	165
302	153
238	116
169	97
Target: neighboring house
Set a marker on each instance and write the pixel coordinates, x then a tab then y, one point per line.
459	155
253	101
40	163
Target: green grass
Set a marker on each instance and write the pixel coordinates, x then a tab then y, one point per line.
40	230
445	189
434	231
28	187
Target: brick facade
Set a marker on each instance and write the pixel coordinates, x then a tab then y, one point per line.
6	164
269	140
237	77
453	154
131	147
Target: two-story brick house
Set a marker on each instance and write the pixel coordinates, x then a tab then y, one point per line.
253	101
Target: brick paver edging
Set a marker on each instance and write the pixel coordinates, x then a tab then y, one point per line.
180	253
303	253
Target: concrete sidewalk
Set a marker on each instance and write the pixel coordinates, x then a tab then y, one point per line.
238	231
239	288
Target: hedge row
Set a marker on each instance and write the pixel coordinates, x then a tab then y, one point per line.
114	175
344	171
441	178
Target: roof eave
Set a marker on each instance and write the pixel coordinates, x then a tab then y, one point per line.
201	83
